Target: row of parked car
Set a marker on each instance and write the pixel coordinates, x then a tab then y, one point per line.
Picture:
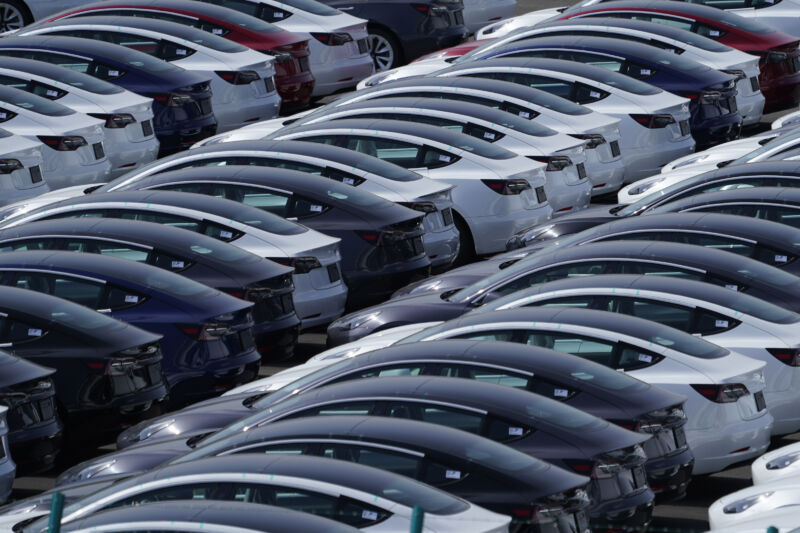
208	260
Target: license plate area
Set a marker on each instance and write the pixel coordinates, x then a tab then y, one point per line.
754	84
363	46
581	170
761	404
615	148
246	339
541	196
685	129
99	153
147	128
36	174
447	216
333	273
269	83
205	106
680	437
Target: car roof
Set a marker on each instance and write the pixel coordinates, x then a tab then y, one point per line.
774	195
190	6
229	513
662	30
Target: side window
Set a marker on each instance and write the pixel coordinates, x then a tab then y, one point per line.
485	374
171	51
635	358
709	323
284	448
522	112
675	316
29	244
765	255
105	72
437	414
119	298
712	32
552	389
554	273
342	408
393	461
220	232
147	45
438	474
162	218
200	491
501	430
609	63
302	207
76	290
11	81
667	21
585	94
265	199
123	251
401	153
402	369
507	336
551	85
433	158
579	302
45	91
341	176
322	139
656	269
75	63
340	509
729	244
16	332
168	261
599	351
636	70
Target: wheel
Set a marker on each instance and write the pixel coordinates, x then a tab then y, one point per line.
384	49
466	245
13	15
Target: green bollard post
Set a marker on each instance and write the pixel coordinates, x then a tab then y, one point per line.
417	518
56	510
772	529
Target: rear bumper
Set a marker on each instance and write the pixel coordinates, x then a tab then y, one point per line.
417	45
181	135
634	511
669	476
714	449
781	91
216	377
35	450
710	132
340	74
317	307
295	90
371	287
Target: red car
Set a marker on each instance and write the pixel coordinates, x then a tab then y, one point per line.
293	78
780	59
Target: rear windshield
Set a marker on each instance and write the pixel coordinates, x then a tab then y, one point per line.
175	284
145	62
563	416
33	103
82	318
624	83
606	378
220	251
679	62
358	197
528	127
220	44
314	7
268	222
80	80
749	305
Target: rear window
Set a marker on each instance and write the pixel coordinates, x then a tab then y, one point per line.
679	62
624	83
683	342
145	62
311	6
560	105
80	80
222	252
33	103
82	318
175	284
357	197
561	415
528	127
268	222
606	378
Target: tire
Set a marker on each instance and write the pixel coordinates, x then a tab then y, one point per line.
466	248
383	48
13	15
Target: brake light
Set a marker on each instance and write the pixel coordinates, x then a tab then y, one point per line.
301	265
206	332
739	74
593	140
554	163
786	356
381	238
581	466
333	39
172	99
654	121
424	207
63	144
239	77
508	187
427	9
705	97
728	393
115	121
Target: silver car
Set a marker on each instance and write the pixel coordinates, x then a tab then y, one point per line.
73	152
242	80
129	138
7	467
21	164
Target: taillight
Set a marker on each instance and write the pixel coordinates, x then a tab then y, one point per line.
654	121
772	56
206	332
739	74
333	39
424	207
239	77
280	57
63	144
722	393
593	140
786	356
301	265
554	163
172	99
7	166
705	97
381	238
121	366
581	467
115	120
508	187
427	9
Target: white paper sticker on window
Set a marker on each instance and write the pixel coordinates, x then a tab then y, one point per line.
180	51
524	114
445	158
177	264
643	357
645	72
594	94
489	135
452	474
34	332
277	14
51	92
217	31
561	393
713	33
721	324
316	208
348	181
731	287
113	73
781	259
514	431
131	299
369	515
225	234
3	115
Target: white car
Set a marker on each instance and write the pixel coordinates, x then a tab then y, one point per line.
242	80
736	321
771	145
338	43
674	40
784	519
319	294
21	164
73	153
479	13
602	133
789	119
751	503
129	137
567	184
727	419
501	193
526	20
654	124
781	465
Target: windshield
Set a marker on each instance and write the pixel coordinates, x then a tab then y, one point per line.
31	102
787	141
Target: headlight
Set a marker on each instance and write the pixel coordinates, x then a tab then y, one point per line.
91	471
375	80
355	321
745	503
644	187
783	461
152	429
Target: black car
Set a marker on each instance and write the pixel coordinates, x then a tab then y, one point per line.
207	340
778	204
196	256
487	281
181	99
401	31
34	425
381	241
107	373
210	517
712	94
475	468
587	386
539	426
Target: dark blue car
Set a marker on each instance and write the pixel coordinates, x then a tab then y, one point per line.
715	117
182	113
207	343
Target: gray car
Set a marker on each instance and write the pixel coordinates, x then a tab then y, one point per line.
7	467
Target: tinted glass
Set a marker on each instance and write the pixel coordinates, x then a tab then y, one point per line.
311	6
36	104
